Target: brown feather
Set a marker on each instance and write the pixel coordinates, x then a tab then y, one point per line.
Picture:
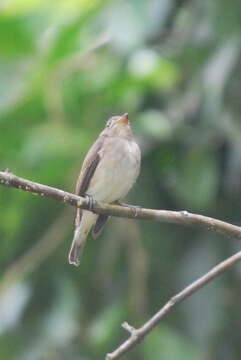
98	227
89	166
75	253
87	171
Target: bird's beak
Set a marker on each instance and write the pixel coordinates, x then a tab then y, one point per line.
124	119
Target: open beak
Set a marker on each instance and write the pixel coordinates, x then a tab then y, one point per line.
124	119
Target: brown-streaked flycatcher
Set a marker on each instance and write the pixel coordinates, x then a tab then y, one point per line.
108	172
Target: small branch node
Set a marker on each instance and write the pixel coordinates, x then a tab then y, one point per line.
211	226
109	357
131	330
65	199
185	213
173	301
135	210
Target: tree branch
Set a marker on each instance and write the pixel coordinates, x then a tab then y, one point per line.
137	335
176	217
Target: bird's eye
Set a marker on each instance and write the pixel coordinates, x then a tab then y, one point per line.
109	123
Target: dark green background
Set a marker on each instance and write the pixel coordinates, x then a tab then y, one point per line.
65	67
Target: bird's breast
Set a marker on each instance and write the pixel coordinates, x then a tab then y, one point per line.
117	170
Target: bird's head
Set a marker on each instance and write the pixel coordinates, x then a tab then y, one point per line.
118	126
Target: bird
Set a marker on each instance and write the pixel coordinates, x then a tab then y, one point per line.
109	171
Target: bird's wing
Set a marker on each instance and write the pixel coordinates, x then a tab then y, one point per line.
90	164
98	227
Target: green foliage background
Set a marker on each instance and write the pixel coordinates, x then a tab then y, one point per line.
65	67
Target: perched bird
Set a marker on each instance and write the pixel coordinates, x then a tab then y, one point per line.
108	172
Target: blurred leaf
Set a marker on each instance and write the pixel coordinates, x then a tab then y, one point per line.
60	323
165	343
15	39
104	328
52	140
203	316
155	124
13	83
197	184
67	39
147	66
13	301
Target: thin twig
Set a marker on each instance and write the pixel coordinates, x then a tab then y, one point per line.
176	217
137	335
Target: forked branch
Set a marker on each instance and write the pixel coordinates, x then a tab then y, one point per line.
137	335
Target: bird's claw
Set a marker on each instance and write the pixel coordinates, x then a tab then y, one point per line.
90	202
134	208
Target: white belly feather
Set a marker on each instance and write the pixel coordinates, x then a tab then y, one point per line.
117	170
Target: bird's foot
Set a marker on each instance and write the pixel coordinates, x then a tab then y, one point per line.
90	202
134	208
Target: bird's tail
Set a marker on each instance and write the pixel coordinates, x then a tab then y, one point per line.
77	248
80	236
